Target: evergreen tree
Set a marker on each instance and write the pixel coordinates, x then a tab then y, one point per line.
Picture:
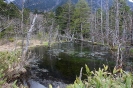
80	17
64	17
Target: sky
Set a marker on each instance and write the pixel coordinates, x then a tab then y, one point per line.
131	1
9	1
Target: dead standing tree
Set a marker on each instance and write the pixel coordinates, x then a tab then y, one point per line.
29	33
132	31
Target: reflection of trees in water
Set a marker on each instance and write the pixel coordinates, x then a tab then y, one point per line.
51	61
121	58
67	64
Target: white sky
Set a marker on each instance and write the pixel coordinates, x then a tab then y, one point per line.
9	1
131	1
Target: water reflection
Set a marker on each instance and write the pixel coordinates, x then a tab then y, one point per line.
63	61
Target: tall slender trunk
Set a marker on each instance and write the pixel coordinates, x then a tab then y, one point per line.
68	30
50	33
107	21
91	26
95	25
117	33
132	31
69	15
117	21
22	29
81	29
29	33
102	38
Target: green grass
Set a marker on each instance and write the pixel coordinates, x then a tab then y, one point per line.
45	43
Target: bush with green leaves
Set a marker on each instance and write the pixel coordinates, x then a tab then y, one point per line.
9	10
104	79
7	58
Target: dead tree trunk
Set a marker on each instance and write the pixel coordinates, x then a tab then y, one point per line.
107	21
81	29
29	34
132	31
102	38
50	34
91	26
22	27
117	21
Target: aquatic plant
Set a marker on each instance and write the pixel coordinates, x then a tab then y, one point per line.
104	79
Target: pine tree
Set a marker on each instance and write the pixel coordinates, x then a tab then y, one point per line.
80	17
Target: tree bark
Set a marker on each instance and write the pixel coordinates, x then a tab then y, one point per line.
107	21
50	33
29	33
102	38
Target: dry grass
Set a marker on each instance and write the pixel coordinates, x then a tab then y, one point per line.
11	46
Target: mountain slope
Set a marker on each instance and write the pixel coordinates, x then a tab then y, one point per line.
46	5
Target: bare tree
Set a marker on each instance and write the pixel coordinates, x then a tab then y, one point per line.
22	26
102	37
29	33
91	22
50	33
107	22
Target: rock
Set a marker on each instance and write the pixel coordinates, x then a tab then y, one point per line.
59	58
23	70
44	70
34	84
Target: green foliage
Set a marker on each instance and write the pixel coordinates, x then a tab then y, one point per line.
14	84
7	59
64	16
104	79
70	17
131	51
26	14
7	32
45	43
40	34
11	39
9	9
49	17
50	86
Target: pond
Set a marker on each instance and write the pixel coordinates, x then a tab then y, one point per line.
60	64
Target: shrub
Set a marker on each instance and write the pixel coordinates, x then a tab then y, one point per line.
104	79
7	59
11	39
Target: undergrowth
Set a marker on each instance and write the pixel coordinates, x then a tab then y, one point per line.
7	59
104	79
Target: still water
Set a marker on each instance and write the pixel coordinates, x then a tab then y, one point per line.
61	63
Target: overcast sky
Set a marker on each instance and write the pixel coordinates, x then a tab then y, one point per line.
9	1
130	0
